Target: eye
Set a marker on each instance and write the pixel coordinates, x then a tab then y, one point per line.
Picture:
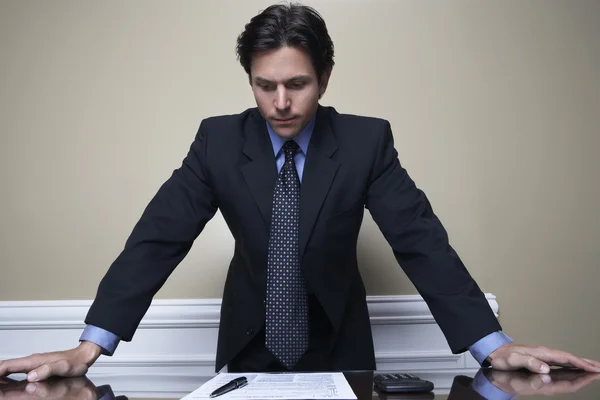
265	86
297	85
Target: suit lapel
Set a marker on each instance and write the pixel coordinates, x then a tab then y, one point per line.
261	172
318	175
319	171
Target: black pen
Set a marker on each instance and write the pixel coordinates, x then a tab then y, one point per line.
228	387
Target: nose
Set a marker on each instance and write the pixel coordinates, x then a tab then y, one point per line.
282	101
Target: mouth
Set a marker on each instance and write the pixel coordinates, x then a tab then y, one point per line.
284	121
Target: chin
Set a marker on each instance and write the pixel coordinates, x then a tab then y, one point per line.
287	133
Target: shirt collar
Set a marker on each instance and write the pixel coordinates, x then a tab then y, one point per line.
302	139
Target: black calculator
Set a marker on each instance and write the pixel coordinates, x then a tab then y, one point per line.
400	383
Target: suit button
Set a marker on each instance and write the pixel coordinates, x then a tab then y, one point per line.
250	331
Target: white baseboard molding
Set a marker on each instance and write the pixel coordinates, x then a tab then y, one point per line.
180	336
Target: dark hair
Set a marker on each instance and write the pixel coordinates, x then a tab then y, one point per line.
293	25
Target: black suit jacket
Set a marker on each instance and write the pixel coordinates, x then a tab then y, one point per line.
351	164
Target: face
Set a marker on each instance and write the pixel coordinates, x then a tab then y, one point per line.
286	89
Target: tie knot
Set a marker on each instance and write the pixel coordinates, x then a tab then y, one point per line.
289	149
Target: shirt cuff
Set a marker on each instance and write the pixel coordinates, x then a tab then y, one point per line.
487	390
485	346
103	338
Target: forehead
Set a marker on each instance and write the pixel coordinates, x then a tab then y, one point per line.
281	64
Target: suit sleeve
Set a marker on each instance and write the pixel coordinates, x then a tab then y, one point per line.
420	244
158	243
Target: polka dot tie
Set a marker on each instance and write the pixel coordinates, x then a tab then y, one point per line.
286	302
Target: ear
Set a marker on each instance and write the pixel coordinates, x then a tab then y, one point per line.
324	82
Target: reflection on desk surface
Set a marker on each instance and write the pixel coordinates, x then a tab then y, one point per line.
485	384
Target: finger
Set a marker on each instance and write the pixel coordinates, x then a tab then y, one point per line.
579	364
554	357
562	358
61	367
42	373
593	362
17	365
518	360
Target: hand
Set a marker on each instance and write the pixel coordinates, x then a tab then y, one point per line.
525	383
537	359
68	363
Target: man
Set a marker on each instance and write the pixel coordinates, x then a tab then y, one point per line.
292	180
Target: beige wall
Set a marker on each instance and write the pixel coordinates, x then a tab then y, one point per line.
495	108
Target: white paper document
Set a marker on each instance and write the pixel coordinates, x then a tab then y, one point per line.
298	386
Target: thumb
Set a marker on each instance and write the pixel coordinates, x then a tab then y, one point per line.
518	360
39	374
60	367
535	365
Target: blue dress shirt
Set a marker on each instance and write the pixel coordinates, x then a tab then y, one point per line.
109	341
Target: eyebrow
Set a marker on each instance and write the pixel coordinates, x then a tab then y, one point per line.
260	79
